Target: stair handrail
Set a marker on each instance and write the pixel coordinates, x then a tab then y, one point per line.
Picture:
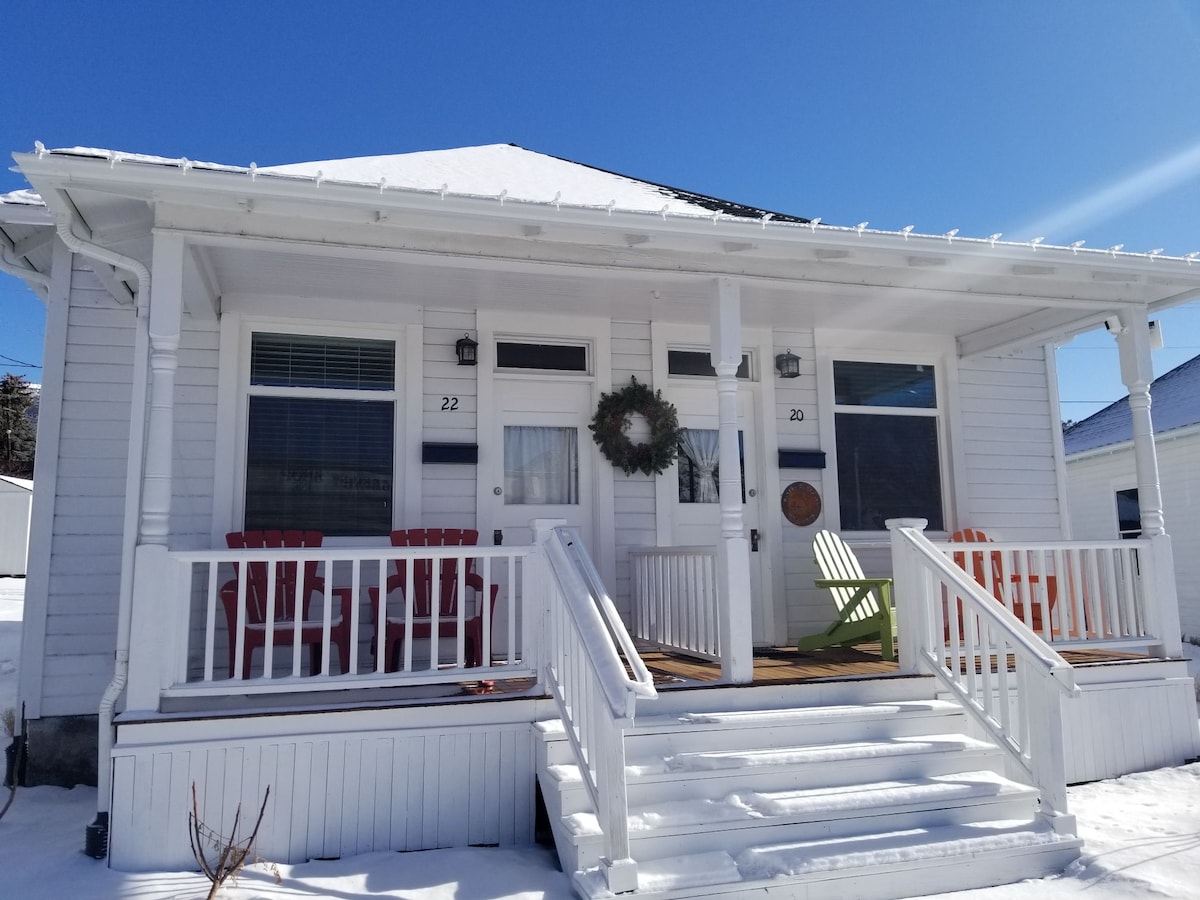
596	677
1024	719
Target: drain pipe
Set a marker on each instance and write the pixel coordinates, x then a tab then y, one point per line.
65	217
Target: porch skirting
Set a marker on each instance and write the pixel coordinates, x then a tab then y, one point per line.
342	783
1130	717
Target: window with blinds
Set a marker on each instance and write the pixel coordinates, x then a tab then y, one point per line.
319	455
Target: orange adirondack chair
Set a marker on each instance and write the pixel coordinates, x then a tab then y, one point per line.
988	569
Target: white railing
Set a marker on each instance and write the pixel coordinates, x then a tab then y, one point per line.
341	620
1006	677
596	678
1096	593
675	599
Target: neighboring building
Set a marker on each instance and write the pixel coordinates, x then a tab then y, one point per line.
1102	478
16	501
423	340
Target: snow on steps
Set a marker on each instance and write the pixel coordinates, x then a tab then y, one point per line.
879	800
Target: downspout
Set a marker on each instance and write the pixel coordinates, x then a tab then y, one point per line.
96	839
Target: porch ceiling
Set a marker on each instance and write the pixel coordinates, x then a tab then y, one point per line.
983	311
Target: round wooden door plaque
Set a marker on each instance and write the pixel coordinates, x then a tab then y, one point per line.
801	503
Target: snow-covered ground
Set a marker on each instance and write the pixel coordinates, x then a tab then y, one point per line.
1142	835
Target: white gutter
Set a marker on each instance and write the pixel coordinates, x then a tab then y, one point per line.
65	217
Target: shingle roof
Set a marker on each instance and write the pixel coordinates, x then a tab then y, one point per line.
1175	403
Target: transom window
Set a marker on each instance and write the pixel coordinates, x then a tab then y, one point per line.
320	434
541	357
886	420
698	363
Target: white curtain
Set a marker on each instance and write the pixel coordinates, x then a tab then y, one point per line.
541	465
700	445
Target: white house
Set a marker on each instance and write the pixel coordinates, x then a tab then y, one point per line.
16	500
426	341
1102	478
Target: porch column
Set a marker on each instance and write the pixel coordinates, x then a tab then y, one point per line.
154	615
1137	372
733	554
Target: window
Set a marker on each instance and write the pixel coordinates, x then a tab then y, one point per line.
555	357
699	471
1129	514
541	465
320	434
886	428
699	363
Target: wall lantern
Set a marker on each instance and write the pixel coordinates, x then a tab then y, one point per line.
465	348
788	365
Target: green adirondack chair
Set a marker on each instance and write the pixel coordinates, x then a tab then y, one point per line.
864	605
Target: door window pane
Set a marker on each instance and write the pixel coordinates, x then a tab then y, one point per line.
541	465
319	464
699	471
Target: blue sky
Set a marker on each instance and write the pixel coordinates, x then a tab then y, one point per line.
1073	119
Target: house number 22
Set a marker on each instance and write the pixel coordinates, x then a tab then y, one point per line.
797	415
449	403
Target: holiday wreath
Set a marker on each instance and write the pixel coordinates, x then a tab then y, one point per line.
612	419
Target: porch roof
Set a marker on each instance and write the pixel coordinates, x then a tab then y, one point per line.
331	231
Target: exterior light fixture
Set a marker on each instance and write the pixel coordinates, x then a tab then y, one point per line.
464	347
788	365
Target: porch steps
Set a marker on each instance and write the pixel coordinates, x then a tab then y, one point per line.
883	799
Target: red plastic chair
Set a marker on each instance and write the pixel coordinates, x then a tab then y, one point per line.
258	601
396	627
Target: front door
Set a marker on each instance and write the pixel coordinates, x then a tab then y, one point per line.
696	517
542	464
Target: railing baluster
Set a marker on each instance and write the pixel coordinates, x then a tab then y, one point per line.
210	619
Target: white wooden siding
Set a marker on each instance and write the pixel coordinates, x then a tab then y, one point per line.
808	609
85	562
1092	482
1007	436
341	784
633	501
85	545
447	491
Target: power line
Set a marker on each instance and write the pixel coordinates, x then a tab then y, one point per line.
17	362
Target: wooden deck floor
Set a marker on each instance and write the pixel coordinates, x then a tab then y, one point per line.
787	665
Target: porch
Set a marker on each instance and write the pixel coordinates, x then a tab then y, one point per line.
439	753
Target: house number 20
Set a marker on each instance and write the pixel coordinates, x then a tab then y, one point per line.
797	415
449	403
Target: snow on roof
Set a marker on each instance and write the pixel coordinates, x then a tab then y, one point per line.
23	483
24	197
496	171
507	170
1176	404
